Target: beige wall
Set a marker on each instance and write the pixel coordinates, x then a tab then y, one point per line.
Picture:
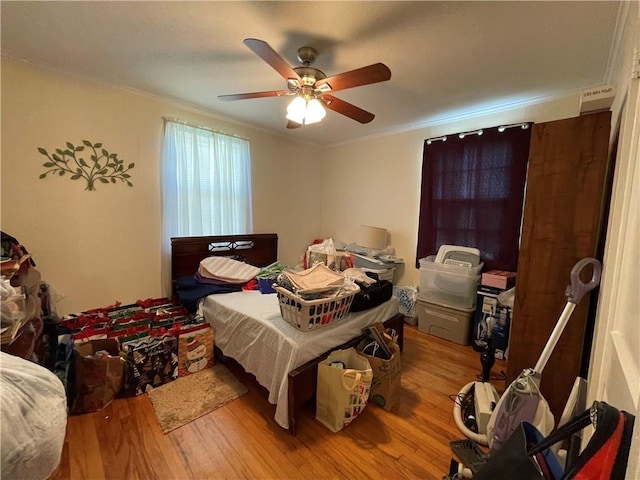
99	247
377	181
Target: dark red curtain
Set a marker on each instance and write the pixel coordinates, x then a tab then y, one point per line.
472	194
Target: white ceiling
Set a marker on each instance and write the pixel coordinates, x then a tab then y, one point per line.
448	59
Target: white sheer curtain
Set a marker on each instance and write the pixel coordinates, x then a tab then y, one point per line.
206	186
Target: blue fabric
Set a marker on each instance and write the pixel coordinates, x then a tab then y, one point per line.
190	291
534	437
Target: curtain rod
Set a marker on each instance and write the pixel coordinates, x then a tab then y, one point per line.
195	125
472	132
522	125
443	138
501	128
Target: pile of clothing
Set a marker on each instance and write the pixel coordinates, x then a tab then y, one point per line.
316	282
320	281
220	275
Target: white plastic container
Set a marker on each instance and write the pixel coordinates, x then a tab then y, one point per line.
453	324
448	285
361	261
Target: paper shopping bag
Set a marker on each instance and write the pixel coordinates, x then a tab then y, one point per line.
195	349
385	387
98	374
344	383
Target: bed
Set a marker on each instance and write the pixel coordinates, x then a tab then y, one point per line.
250	330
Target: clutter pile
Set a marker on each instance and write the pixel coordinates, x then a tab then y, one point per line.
447	295
26	302
379	259
19	288
349	379
520	431
224	275
314	297
494	309
125	350
319	295
381	348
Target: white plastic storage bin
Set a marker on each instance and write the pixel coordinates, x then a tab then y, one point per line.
453	324
448	285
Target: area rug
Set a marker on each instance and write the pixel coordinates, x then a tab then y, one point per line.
187	398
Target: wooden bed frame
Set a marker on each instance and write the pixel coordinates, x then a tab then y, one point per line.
259	250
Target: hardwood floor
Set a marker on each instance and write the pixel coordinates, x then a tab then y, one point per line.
242	441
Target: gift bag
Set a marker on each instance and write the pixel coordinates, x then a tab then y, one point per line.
527	455
344	382
195	349
151	362
385	387
98	374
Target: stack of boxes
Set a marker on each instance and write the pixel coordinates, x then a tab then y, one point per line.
492	318
446	300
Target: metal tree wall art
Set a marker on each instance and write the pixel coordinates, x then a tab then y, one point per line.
103	167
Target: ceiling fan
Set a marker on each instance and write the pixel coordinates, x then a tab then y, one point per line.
311	87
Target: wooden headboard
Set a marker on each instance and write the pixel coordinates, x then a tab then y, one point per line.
259	250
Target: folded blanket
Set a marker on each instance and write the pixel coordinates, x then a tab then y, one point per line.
227	269
190	291
314	279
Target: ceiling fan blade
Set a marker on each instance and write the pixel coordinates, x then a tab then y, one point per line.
269	55
245	96
378	72
291	124
347	109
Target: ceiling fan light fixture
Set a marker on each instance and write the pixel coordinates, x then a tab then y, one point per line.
315	111
296	110
311	86
305	112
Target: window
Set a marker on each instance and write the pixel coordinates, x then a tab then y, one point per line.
473	192
206	185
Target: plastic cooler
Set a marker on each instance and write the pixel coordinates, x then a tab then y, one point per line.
448	285
453	324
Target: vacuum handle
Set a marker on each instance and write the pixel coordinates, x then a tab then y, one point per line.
575	292
578	288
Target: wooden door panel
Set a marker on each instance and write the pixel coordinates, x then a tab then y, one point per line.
561	224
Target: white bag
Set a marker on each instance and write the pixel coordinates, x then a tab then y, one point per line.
407	297
342	392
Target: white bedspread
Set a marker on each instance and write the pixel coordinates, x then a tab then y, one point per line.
249	328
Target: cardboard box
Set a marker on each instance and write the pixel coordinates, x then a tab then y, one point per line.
499	279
